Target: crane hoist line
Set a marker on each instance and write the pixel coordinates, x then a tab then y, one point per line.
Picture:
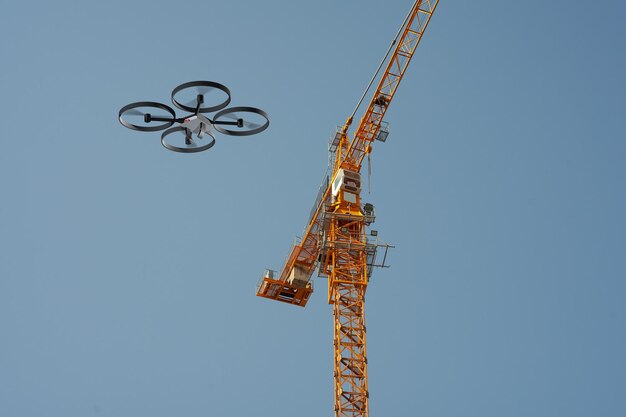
336	241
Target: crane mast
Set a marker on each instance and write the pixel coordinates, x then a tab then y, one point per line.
335	240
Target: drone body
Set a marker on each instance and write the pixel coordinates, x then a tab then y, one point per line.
198	124
196	132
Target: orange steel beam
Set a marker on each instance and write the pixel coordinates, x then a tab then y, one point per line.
369	126
347	267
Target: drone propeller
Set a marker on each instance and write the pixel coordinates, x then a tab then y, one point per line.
234	113
200	90
130	115
237	118
201	96
203	89
135	112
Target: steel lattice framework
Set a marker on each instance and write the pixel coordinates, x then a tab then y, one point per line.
335	239
348	282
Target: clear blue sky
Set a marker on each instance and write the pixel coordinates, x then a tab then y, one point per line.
128	272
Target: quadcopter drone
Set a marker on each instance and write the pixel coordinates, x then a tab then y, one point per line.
196	132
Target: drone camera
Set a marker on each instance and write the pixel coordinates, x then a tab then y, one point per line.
147	117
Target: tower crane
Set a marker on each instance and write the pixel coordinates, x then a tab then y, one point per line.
335	240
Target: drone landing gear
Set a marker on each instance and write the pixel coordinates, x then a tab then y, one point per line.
180	139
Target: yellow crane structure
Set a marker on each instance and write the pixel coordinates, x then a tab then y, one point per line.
335	240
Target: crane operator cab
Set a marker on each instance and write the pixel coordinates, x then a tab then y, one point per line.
346	186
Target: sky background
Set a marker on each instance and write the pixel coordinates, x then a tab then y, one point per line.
128	272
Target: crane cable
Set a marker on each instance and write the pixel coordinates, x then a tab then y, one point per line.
385	58
369	173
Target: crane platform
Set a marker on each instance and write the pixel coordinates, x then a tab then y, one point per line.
274	289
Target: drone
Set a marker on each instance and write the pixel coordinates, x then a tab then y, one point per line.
196	132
